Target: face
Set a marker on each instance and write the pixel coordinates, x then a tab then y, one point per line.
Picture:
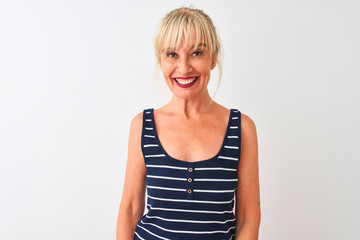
187	71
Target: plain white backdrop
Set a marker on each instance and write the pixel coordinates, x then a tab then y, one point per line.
74	73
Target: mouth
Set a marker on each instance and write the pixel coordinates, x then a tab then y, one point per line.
185	82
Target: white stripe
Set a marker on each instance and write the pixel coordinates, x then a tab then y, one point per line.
192	221
152	233
151	145
196	179
228	158
148	120
149	136
139	236
147	112
233	137
214	180
189	210
195	232
165	188
149	128
155	155
234	127
231	147
219	168
234	118
213	191
236	111
188	200
165	166
195	190
171	178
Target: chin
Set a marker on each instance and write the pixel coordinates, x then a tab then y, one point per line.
184	95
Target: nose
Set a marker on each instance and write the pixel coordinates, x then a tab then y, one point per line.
184	66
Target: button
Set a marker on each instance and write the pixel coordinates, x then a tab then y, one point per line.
189	180
189	191
190	169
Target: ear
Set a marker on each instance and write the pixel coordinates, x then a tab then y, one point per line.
213	63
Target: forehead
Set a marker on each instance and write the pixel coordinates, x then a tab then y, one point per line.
184	38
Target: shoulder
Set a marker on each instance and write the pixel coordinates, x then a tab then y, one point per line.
247	122
248	129
136	125
136	121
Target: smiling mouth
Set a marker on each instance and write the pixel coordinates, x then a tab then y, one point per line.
185	81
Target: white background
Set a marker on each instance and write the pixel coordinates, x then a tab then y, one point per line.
74	73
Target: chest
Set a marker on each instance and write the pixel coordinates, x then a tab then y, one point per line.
191	141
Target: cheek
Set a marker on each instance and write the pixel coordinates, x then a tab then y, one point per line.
203	65
204	68
166	68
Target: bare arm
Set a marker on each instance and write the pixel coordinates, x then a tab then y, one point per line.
247	208
133	197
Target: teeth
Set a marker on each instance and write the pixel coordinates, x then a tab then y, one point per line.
183	82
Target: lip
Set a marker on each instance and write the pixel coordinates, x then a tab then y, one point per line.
185	78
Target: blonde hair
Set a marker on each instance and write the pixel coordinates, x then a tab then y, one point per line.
178	26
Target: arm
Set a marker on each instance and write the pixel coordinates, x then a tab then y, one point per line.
247	207
133	197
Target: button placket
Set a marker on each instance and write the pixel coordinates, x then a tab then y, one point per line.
190	182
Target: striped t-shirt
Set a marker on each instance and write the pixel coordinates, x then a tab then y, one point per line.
189	200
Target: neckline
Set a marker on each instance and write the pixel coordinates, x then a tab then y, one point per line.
200	161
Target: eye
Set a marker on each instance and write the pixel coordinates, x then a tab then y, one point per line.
197	53
171	54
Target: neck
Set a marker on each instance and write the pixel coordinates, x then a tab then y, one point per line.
190	107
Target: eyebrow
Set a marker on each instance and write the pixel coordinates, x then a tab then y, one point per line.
193	47
200	44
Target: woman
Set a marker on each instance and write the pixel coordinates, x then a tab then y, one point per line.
197	159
